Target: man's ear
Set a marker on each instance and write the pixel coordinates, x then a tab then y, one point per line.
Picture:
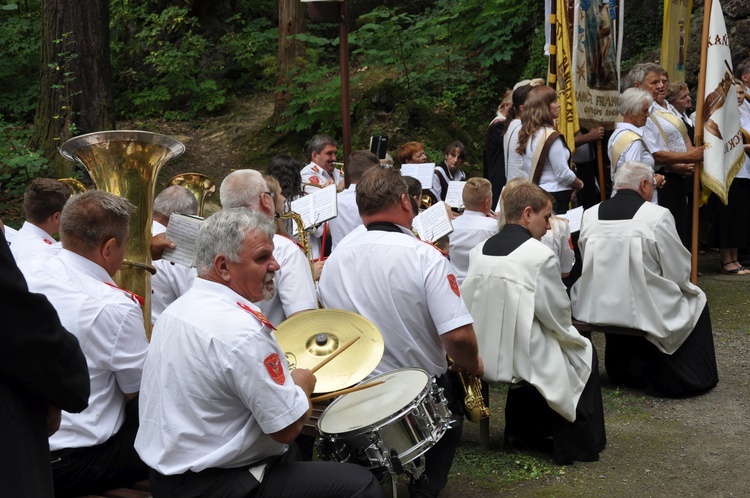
221	267
406	202
108	248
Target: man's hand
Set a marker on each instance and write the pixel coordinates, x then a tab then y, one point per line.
305	379
682	169
158	244
54	416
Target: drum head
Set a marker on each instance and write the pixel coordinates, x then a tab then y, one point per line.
370	406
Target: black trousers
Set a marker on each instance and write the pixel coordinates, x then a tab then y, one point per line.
285	476
112	464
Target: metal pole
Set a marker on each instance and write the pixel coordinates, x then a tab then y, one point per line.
346	125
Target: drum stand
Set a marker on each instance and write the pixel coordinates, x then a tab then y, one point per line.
388	476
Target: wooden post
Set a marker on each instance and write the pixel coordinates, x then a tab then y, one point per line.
699	139
346	123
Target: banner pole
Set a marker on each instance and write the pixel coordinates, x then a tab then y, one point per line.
700	97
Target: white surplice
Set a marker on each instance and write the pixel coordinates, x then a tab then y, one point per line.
523	324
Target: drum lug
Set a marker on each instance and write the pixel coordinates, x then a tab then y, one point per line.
396	465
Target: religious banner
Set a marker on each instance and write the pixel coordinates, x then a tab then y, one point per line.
674	37
723	154
561	76
597	42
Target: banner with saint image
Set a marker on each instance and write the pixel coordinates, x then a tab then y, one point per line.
597	47
674	37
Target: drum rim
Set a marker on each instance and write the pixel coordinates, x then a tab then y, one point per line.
386	420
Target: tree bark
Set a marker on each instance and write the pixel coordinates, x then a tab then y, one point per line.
75	95
291	22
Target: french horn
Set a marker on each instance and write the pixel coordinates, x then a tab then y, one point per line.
126	163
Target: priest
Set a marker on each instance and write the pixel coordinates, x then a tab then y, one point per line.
636	274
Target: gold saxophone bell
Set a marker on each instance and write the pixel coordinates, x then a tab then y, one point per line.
474	407
302	236
201	186
425	202
126	163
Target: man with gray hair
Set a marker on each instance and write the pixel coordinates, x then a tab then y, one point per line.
93	450
218	404
632	242
246	188
321	170
171	280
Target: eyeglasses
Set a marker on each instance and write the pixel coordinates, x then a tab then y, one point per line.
273	196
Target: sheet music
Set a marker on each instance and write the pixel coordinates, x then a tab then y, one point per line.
433	223
182	229
422	172
574	217
454	197
317	207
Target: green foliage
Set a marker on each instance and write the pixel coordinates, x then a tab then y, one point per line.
20	37
18	164
538	63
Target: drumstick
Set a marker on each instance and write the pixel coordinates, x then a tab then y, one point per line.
334	394
334	355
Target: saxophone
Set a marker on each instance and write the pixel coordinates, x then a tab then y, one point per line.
474	407
304	238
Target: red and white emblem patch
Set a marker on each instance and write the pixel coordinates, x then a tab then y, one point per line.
454	284
275	368
314	180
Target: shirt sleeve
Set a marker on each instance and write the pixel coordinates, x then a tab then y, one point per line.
294	282
129	347
444	302
558	159
652	136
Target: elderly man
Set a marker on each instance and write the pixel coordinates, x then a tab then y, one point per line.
93	450
632	242
409	290
171	280
475	225
219	405
348	218
42	203
296	291
523	323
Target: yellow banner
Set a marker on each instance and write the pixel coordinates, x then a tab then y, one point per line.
674	38
562	76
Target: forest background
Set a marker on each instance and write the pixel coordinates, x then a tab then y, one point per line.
426	70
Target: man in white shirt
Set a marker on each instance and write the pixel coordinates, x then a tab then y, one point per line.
246	188
636	274
42	203
409	290
475	225
171	280
321	171
348	215
524	328
93	450
218	404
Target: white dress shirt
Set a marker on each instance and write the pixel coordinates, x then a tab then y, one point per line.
170	282
31	242
109	326
348	218
469	230
556	173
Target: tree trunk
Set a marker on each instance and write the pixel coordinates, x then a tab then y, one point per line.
76	78
291	22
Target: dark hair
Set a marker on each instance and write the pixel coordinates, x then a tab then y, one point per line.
519	97
379	189
414	188
90	219
43	198
359	162
456	145
286	170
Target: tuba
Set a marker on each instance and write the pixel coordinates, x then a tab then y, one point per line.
201	186
76	185
126	164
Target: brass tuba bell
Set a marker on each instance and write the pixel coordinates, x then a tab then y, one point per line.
201	186
126	163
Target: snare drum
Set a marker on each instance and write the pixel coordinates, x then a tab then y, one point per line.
387	425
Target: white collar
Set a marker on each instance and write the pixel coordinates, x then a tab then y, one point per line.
468	212
32	229
86	266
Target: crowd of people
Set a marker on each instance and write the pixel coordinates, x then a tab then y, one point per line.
210	406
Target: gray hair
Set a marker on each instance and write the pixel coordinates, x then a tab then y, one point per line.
630	175
242	188
639	72
631	101
318	143
175	199
89	219
224	233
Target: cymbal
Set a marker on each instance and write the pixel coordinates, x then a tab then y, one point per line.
310	337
